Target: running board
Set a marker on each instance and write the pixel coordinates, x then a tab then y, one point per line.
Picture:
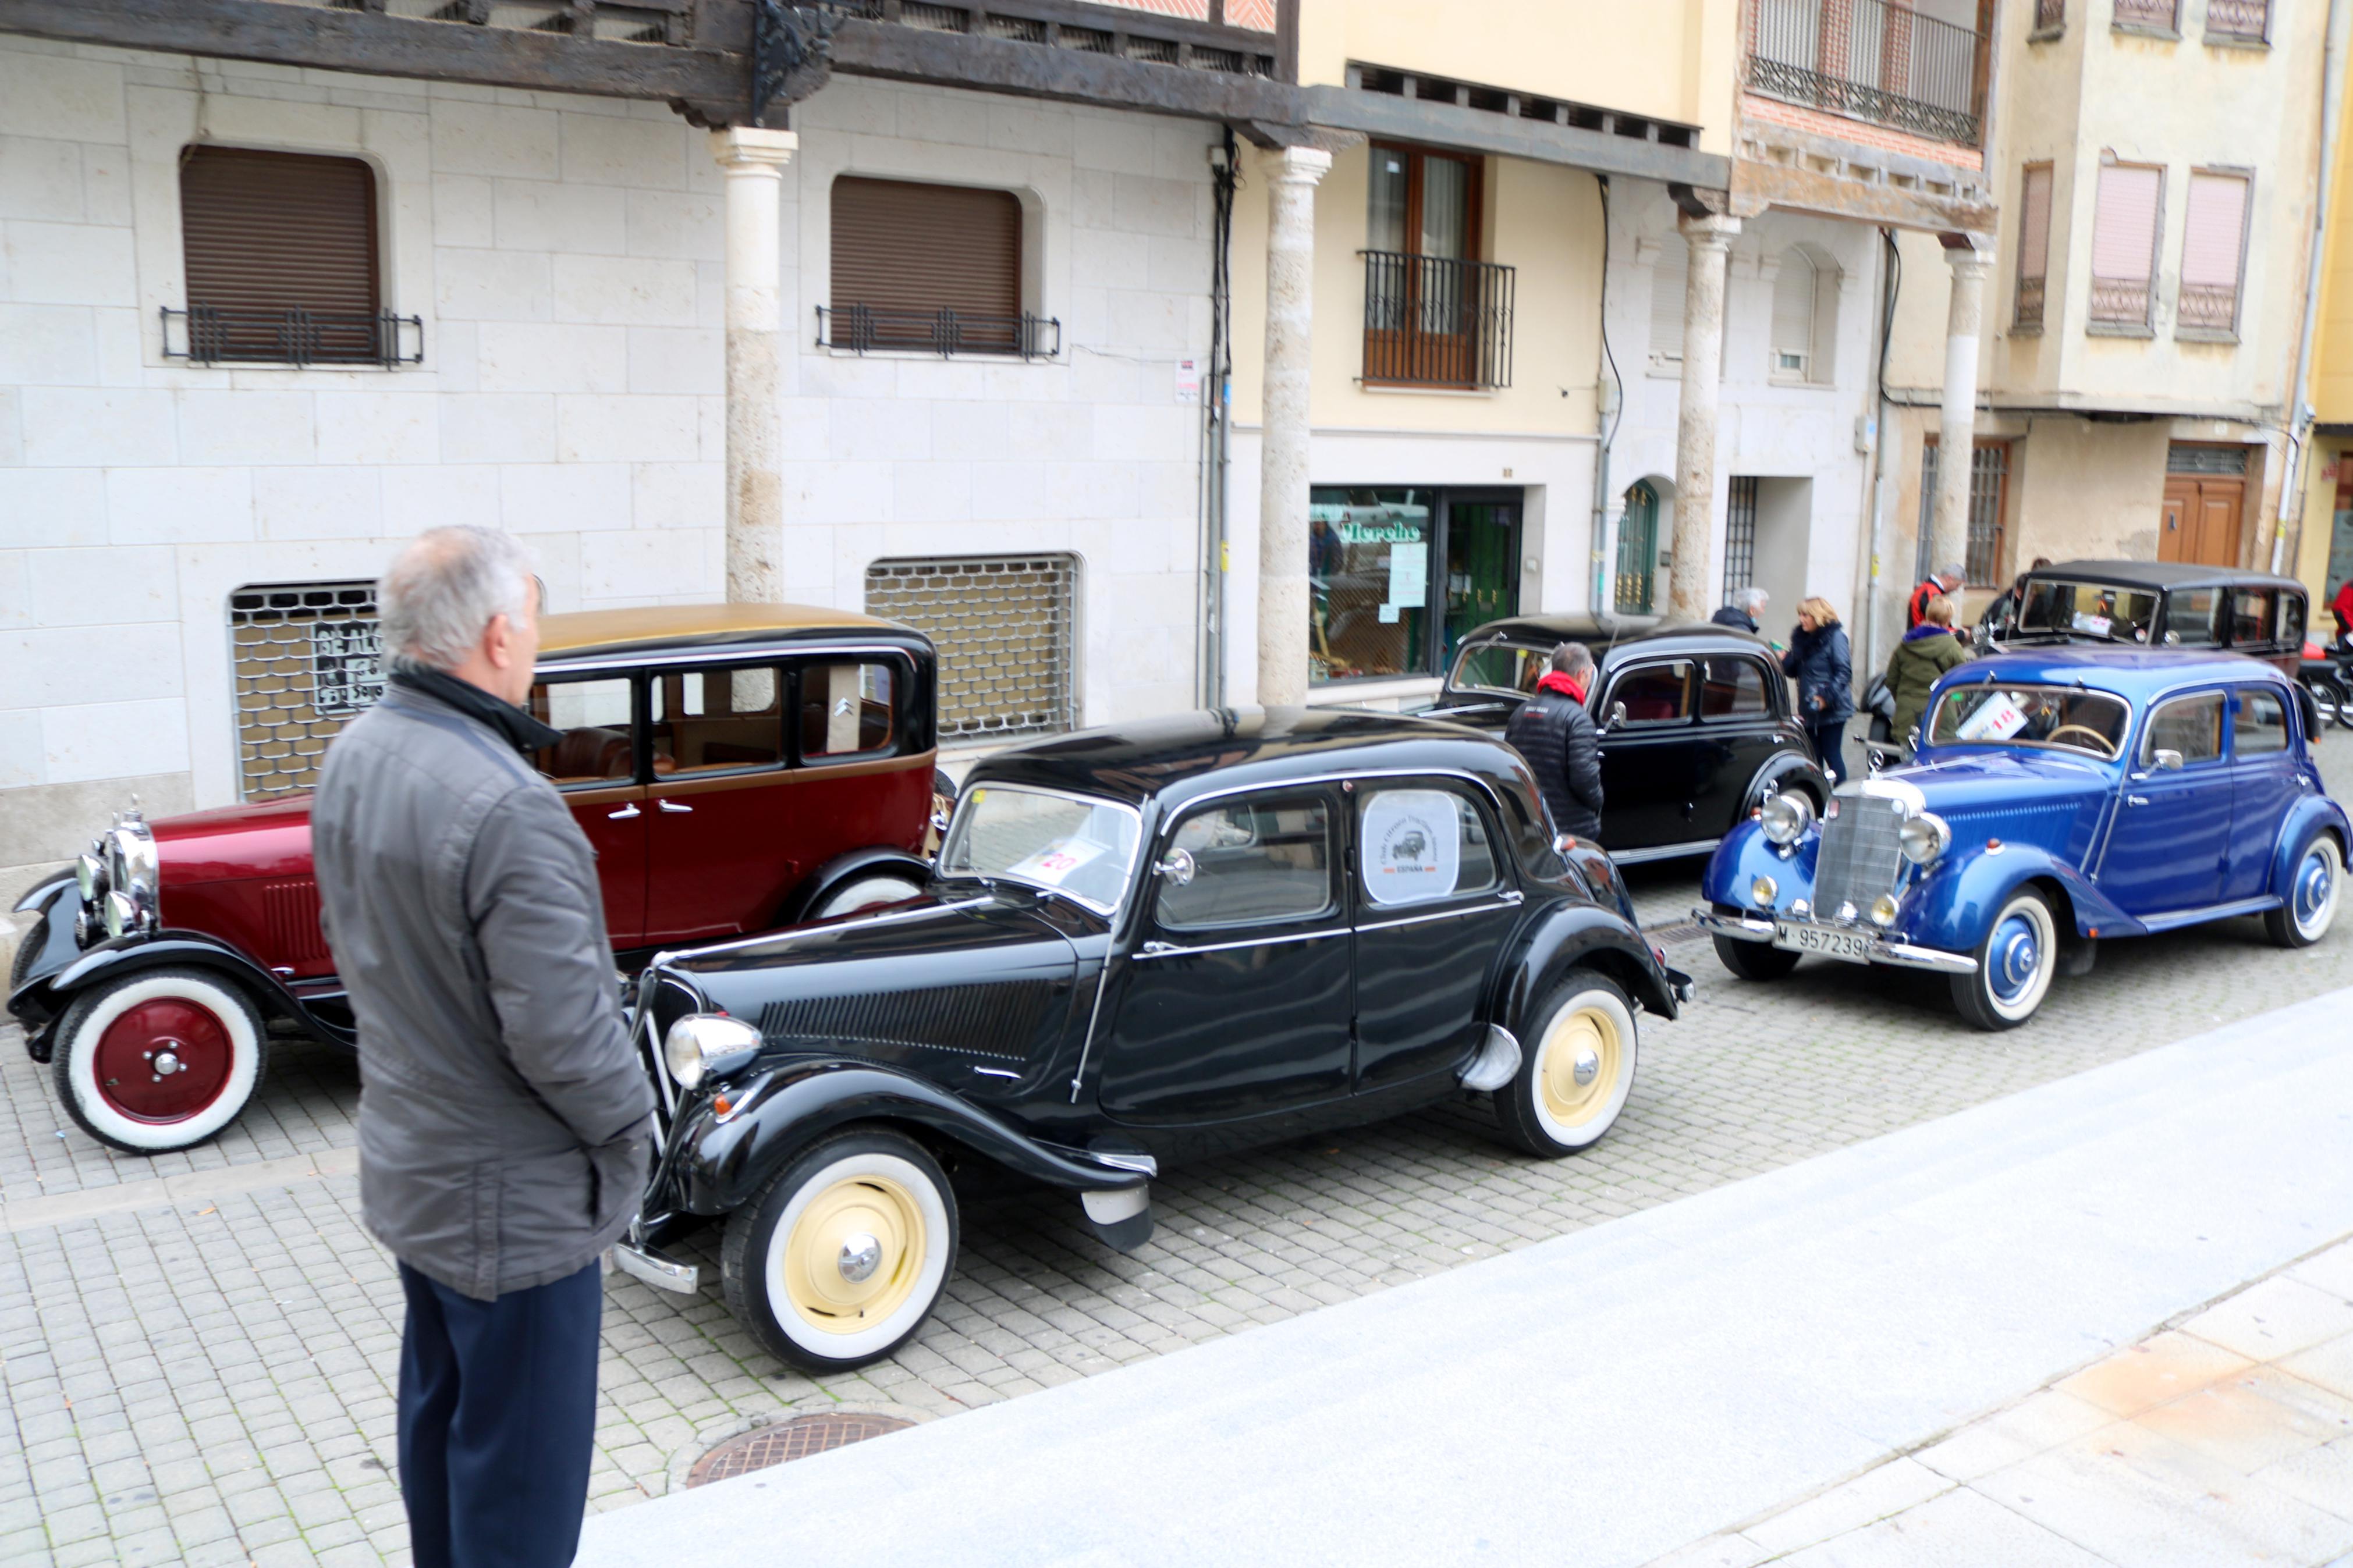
1662	851
2155	923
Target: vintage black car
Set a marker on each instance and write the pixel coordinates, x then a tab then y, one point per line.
1142	945
2154	603
1696	720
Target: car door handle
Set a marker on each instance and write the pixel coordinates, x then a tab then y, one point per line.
671	805
624	815
2135	799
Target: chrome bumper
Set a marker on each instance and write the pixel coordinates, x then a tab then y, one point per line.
1903	954
661	1271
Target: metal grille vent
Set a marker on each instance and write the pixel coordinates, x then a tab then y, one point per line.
1003	625
788	1440
1862	855
2221	461
306	662
1740	535
1000	1020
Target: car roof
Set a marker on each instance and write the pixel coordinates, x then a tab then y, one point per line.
2159	574
1181	756
1616	638
2129	672
590	631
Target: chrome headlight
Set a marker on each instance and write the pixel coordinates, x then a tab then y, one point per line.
708	1043
90	878
1784	817
1922	838
121	914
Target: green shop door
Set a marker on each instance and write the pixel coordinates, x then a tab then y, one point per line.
1482	564
1638	549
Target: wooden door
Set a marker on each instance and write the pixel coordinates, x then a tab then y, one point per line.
2201	521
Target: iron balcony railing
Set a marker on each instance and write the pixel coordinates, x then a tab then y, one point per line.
1870	60
1435	320
2120	301
2165	16
2050	15
2241	21
2208	307
2030	301
216	334
943	332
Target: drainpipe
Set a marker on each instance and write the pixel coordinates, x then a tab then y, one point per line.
1610	399
2300	410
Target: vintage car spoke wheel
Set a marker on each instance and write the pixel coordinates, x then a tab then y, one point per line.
2311	893
159	1060
841	1256
1576	1067
1754	960
2015	964
863	893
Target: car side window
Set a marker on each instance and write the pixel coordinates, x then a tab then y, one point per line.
848	709
1248	862
2291	620
1731	688
2189	617
1654	693
2251	615
595	716
2191	725
1421	846
717	720
2259	728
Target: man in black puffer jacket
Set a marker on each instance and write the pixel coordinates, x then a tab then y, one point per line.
1563	746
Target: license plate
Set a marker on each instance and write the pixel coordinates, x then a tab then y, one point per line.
1827	940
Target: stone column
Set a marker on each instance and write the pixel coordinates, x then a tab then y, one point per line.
1948	518
1283	595
1710	238
754	162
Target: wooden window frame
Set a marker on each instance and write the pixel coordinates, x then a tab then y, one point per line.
2110	326
2021	323
1474	218
2239	286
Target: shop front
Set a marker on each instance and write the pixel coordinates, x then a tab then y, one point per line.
1399	575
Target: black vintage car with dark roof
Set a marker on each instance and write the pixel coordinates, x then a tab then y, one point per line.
1696	721
2155	604
1141	945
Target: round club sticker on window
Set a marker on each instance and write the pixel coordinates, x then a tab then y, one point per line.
1412	846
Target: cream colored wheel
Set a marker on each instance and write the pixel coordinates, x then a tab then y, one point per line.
845	1253
1575	1073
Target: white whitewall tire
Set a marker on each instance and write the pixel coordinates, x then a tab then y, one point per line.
160	1060
1577	1069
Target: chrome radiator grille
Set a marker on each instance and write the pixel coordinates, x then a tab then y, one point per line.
1860	855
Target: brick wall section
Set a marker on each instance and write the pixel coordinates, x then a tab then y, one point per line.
1839	128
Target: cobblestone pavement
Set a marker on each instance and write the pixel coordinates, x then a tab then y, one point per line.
207	1374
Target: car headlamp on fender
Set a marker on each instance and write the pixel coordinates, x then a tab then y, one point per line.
704	1044
1922	838
1785	816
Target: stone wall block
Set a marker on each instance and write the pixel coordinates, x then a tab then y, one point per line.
102	587
178	506
630	291
42	508
114	740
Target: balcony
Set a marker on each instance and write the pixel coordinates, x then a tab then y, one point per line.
214	334
1872	61
1437	322
859	329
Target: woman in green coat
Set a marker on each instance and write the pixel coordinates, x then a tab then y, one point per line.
1926	651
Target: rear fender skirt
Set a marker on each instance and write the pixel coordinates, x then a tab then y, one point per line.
128	955
1573	936
716	1166
843	868
1952	909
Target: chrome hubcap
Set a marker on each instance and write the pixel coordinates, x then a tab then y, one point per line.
861	1255
1586	1068
2017	954
2313	888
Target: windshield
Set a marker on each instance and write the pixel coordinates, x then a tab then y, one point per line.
1512	667
2089	610
1080	846
2058	716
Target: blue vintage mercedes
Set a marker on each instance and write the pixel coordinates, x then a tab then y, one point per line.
2059	798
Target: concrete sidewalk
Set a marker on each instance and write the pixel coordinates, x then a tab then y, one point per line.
1618	1393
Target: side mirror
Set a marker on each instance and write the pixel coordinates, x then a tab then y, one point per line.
2166	760
1617	716
1176	867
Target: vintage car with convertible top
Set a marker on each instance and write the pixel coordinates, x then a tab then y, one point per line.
1142	945
2059	798
1696	721
736	767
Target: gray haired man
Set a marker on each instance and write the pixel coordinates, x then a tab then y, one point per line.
1747	610
503	1123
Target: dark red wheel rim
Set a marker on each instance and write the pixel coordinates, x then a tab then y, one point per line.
164	1061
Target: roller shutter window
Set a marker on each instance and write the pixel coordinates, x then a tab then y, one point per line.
281	253
1669	280
1793	318
2033	243
2213	254
2124	243
937	268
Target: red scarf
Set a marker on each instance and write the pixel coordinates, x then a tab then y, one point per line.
1553	680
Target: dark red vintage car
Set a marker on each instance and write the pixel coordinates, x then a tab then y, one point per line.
737	767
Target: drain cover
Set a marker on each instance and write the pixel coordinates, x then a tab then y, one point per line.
788	1440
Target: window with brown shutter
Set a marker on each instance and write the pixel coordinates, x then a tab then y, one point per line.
2124	244
282	255
2033	243
2213	256
936	268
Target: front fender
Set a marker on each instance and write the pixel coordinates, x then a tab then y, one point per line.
39	895
1572	935
1745	854
54	936
130	954
843	868
2310	814
717	1166
1951	909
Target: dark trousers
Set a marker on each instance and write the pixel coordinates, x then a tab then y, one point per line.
1829	744
498	1409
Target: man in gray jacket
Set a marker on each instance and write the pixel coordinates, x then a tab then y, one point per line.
504	1124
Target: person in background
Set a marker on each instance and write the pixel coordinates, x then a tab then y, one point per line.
1561	742
1941	584
2002	617
505	1124
2341	608
1742	614
1926	651
1819	661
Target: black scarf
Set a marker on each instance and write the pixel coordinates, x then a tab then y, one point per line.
519	729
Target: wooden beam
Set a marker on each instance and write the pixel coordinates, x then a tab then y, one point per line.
1438	124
